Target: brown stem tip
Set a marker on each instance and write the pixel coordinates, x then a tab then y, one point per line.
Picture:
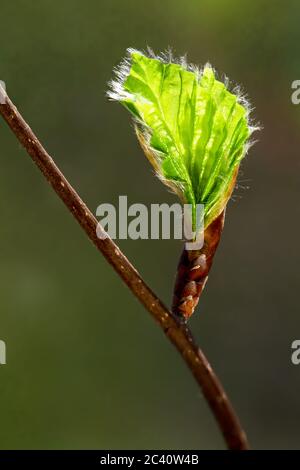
193	269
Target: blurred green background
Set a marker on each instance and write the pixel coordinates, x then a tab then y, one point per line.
86	365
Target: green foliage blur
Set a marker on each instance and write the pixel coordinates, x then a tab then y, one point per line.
86	365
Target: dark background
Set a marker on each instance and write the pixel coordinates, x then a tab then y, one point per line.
86	365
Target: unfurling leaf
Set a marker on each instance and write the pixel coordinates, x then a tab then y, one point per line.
193	130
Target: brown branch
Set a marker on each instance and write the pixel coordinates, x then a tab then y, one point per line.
177	331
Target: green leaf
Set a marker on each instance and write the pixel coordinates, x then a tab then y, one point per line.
192	128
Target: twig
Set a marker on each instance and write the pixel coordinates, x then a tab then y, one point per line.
177	331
